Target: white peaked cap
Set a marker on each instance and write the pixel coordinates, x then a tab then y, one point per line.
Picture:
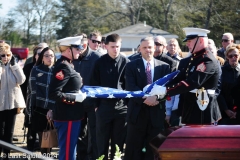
192	33
69	41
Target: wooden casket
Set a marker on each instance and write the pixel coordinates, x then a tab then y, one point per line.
207	142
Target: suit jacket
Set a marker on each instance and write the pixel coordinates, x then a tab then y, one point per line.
136	80
169	60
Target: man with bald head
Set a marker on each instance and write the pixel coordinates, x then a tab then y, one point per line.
227	39
159	53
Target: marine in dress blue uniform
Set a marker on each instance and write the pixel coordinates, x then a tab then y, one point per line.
199	74
64	89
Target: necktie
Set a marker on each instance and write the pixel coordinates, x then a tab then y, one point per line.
148	73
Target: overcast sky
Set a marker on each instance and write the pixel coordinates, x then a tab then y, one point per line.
6	6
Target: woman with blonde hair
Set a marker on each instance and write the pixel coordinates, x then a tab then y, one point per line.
11	97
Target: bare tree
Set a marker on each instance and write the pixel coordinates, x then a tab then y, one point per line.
127	8
26	15
45	10
166	5
209	11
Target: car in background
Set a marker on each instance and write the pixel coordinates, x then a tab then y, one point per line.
20	53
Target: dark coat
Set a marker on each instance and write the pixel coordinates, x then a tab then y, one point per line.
26	70
165	58
135	56
197	71
85	66
226	99
136	80
65	80
221	53
40	78
109	72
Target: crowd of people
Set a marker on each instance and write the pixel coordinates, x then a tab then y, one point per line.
205	91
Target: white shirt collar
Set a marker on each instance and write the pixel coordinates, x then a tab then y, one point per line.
151	62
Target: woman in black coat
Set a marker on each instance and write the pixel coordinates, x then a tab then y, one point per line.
228	98
39	102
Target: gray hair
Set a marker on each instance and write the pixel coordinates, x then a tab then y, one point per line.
161	39
147	39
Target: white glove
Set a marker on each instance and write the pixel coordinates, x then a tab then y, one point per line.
145	88
158	90
80	96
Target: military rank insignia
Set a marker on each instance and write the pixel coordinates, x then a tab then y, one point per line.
60	75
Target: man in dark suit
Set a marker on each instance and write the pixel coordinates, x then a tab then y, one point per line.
145	116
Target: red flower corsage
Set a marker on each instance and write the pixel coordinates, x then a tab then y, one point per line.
235	109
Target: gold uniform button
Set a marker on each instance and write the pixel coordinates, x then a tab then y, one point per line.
69	101
64	100
72	102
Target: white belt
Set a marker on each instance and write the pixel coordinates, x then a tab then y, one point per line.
209	91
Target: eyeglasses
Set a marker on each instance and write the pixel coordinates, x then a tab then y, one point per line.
158	44
233	55
94	41
225	40
4	55
51	56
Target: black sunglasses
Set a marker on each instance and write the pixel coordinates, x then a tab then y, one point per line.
158	44
94	41
233	55
225	40
4	55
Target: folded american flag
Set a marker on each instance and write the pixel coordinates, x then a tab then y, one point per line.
105	92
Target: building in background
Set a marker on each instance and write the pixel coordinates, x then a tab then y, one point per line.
132	35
